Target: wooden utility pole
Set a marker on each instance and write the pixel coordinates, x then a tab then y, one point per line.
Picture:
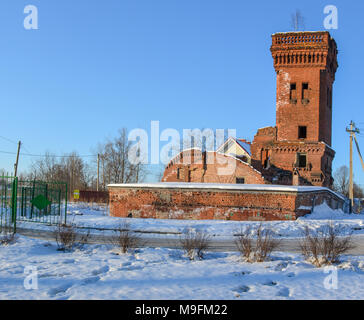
17	160
98	172
352	130
103	174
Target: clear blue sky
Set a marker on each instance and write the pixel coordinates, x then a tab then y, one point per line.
96	66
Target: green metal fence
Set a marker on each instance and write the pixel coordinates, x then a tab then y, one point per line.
8	204
32	201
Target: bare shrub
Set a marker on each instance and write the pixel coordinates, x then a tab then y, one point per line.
265	244
325	247
84	238
244	243
65	236
256	248
124	238
7	236
195	243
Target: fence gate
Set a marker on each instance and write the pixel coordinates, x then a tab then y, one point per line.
32	201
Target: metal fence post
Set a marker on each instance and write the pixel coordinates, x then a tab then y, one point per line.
14	202
65	205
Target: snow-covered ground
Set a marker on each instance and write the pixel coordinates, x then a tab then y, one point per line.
95	216
97	272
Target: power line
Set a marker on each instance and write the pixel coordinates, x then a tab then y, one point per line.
8	140
51	155
25	148
13	142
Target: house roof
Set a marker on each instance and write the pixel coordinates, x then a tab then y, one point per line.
240	142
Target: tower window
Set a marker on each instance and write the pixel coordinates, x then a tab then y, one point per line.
305	99
301	160
292	93
302	132
304	90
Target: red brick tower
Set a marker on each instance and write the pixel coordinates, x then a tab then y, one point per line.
305	63
300	144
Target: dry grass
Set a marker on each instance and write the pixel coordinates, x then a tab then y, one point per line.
325	247
65	236
125	239
195	244
256	248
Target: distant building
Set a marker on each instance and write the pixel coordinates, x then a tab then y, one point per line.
239	148
297	150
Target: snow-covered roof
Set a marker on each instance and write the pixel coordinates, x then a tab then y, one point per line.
225	186
287	32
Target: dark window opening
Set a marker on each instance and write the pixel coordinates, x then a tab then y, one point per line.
302	160
240	180
302	132
305	98
178	173
304	90
265	157
293	93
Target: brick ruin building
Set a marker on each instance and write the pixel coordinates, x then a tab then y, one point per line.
298	149
281	175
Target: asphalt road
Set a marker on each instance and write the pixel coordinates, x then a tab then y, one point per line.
160	241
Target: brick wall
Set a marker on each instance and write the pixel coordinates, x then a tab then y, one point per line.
191	166
208	201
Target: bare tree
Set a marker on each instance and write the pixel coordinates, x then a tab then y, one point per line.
116	167
341	180
341	183
70	168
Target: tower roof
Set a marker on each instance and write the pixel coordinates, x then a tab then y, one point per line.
304	48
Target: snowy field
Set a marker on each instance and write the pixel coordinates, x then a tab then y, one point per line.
95	216
99	272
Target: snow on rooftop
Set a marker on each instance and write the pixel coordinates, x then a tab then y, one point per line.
224	186
287	32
